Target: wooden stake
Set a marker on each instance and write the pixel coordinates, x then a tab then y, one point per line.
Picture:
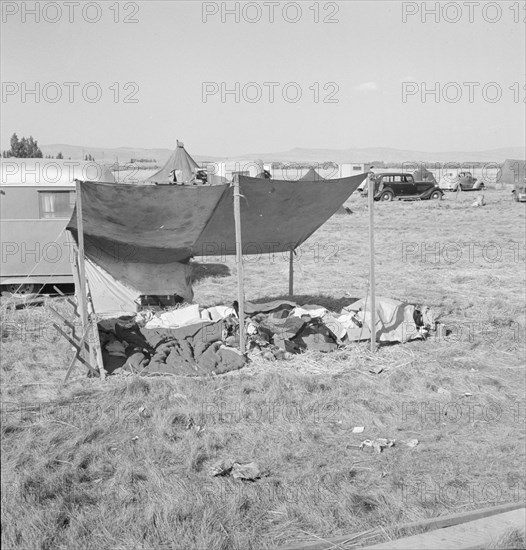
291	273
372	304
78	354
239	259
95	343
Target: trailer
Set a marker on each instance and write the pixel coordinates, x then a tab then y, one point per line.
37	197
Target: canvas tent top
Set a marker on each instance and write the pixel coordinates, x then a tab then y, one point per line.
423	174
311	175
180	161
139	238
42	172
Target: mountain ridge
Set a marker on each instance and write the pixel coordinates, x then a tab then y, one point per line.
297	154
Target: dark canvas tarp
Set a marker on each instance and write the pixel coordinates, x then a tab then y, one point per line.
140	237
180	161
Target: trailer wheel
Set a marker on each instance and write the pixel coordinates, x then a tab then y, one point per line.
22	290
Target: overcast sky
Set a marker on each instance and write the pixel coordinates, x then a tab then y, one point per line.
150	75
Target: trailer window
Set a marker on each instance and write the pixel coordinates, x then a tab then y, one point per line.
56	204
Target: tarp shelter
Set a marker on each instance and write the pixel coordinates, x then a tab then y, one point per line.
311	175
180	162
139	238
513	172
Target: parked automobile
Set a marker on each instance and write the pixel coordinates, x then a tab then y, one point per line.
463	181
519	192
390	186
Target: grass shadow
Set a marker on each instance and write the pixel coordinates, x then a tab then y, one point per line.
202	271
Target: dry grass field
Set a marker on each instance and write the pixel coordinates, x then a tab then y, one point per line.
125	464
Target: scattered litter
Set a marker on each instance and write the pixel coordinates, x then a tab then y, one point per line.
249	471
376	370
468	394
412	443
135	438
221	468
377	444
358	429
479	201
144	413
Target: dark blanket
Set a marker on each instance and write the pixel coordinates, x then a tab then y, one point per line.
192	350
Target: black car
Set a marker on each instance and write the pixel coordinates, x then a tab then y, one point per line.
388	187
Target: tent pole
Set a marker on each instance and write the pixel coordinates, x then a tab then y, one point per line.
83	305
239	260
371	259
291	273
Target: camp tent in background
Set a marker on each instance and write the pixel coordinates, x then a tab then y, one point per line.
423	174
265	175
184	165
311	175
140	238
512	172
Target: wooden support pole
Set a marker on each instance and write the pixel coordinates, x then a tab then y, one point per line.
239	260
83	306
75	342
81	263
77	356
372	303
291	273
64	321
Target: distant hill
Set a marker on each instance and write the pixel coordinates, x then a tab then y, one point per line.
386	154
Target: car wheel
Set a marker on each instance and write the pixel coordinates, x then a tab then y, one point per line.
386	196
436	195
21	290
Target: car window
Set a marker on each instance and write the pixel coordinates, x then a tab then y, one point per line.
397	179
